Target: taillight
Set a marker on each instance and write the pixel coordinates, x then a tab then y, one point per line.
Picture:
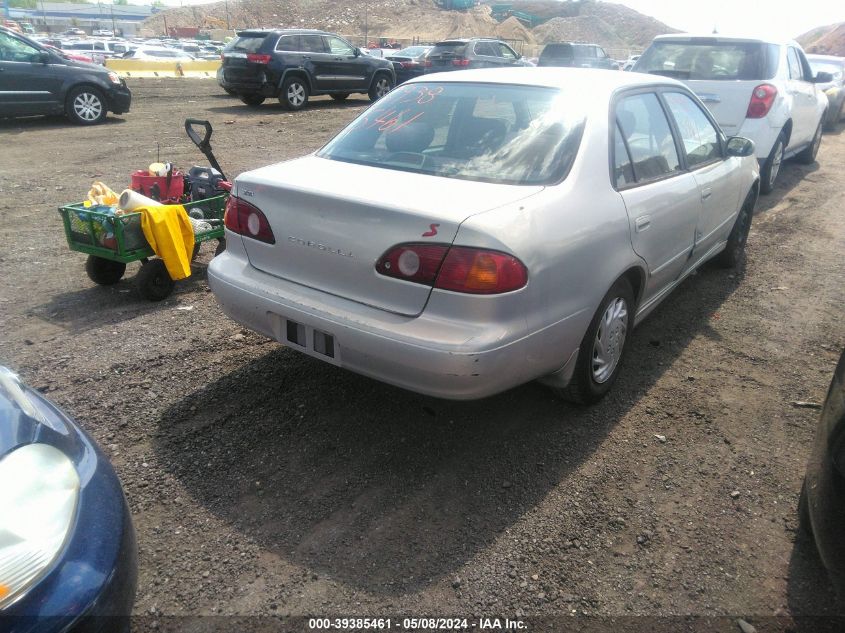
762	98
248	220
460	62
256	58
457	268
410	64
413	262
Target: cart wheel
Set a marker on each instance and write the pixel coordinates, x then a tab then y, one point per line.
196	251
105	272
153	281
221	246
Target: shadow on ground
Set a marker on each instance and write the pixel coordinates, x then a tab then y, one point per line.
387	490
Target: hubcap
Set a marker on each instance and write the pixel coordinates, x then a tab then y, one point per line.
610	340
382	87
776	161
296	94
87	106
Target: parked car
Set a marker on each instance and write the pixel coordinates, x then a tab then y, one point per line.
531	249
408	62
158	54
476	52
68	560
72	32
834	89
293	64
628	64
822	504
577	55
102	33
35	80
764	90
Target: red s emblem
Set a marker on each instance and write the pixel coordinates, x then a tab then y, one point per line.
432	232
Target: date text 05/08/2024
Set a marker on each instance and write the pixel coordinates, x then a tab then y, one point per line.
414	624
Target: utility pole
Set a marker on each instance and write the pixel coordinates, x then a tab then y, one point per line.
113	27
366	29
228	26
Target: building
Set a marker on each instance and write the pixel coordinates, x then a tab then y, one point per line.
55	17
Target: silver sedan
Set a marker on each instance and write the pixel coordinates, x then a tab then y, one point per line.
474	231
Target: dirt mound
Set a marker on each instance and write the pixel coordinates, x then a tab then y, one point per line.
581	29
513	29
825	40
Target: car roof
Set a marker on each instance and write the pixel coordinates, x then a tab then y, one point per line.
266	32
595	80
719	37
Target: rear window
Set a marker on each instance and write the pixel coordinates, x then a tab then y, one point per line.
710	60
827	67
448	49
517	135
247	43
557	51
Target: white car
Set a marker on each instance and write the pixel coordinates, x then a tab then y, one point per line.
150	53
102	33
475	230
763	90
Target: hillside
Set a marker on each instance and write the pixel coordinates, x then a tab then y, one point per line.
825	40
611	25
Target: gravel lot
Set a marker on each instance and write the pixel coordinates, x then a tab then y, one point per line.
263	482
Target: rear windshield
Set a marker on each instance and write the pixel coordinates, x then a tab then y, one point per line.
557	51
827	67
448	49
247	43
710	60
518	135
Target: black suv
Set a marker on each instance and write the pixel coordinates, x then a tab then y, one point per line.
36	80
292	64
575	54
473	52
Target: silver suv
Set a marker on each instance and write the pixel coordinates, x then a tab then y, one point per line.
759	89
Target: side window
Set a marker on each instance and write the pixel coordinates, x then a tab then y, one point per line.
648	136
621	160
485	48
795	71
600	52
507	52
288	43
312	43
15	50
698	136
338	47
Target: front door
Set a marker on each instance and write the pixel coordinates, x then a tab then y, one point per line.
29	83
349	71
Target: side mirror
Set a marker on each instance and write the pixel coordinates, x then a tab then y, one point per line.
43	57
822	78
740	146
356	52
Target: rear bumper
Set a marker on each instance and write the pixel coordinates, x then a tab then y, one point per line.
426	354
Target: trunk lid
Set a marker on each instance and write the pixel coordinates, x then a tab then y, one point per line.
727	100
333	220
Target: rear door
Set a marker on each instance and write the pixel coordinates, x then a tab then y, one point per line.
486	55
27	84
316	57
662	200
717	175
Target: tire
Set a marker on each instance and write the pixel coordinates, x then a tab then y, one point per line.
734	254
105	272
196	251
153	281
221	246
253	101
382	84
294	95
86	106
771	168
612	322
808	155
340	96
230	92
805	527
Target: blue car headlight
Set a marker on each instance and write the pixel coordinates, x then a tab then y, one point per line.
39	492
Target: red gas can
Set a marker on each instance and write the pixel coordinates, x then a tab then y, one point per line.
156	187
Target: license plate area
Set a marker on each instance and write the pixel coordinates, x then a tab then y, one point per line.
307	339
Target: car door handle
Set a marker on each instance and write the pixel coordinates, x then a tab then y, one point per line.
707	97
306	57
642	223
338	59
706	193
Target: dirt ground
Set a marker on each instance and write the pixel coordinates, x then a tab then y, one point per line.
264	482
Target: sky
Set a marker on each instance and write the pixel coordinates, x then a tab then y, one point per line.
774	18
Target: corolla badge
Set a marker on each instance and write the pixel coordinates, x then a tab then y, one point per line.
432	232
319	246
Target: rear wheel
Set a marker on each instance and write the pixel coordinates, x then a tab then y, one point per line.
153	281
603	346
808	156
771	168
105	272
253	100
294	93
382	84
340	96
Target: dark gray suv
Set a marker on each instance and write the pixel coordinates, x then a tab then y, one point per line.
476	52
292	64
576	55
